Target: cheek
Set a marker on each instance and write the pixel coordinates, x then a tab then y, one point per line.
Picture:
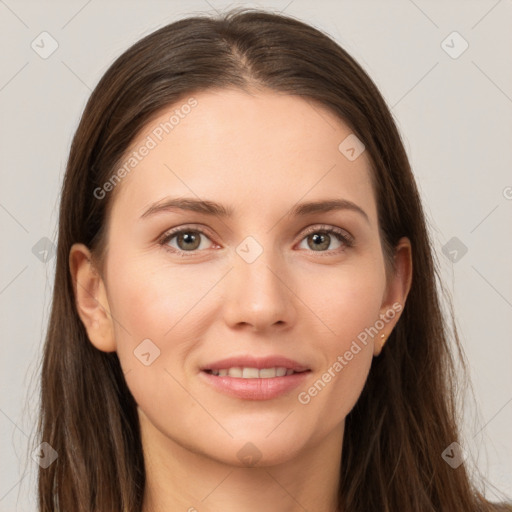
151	296
349	306
154	330
347	300
338	388
144	302
144	306
168	305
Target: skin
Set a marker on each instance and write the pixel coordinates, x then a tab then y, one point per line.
295	301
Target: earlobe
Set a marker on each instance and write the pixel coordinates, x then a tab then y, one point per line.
91	299
397	291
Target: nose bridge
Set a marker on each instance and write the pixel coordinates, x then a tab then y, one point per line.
257	292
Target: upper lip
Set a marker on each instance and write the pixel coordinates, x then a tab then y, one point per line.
256	362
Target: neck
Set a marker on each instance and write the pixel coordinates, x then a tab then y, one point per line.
181	479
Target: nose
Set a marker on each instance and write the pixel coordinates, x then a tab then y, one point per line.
259	294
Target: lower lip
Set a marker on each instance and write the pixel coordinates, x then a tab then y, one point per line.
255	389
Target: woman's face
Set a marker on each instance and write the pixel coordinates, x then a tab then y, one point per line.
266	280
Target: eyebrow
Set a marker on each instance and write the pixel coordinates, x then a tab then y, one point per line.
207	207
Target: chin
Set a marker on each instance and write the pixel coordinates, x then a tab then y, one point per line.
254	448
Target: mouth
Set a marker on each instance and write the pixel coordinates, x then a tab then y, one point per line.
249	378
254	373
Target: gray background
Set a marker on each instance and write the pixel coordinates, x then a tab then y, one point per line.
454	114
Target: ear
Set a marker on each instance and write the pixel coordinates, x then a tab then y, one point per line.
397	289
91	299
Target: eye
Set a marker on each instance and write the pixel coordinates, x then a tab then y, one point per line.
187	239
319	238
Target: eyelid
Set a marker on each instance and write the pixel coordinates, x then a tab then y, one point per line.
343	233
171	233
346	238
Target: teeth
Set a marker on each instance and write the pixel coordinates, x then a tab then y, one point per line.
267	373
235	372
250	373
253	373
280	372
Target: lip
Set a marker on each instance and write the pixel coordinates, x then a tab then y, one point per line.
255	389
256	362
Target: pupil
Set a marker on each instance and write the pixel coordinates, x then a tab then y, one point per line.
189	238
320	241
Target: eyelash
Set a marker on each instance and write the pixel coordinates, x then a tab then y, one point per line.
340	234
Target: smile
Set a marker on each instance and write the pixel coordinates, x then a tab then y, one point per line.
253	383
253	373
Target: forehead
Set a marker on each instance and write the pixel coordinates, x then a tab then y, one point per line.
264	150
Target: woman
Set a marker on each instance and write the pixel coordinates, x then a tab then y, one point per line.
245	311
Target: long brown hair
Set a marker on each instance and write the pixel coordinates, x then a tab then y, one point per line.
406	415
